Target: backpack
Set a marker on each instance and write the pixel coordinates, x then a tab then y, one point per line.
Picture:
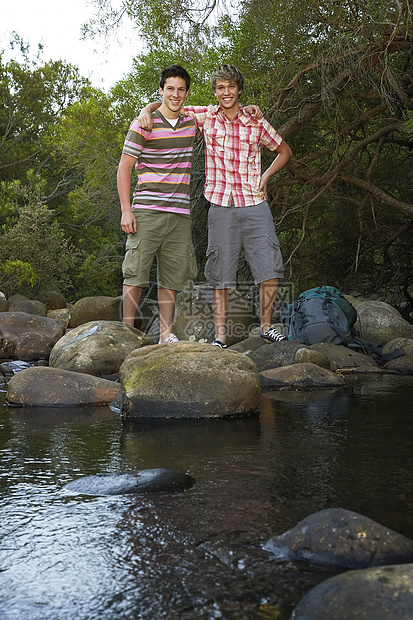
321	314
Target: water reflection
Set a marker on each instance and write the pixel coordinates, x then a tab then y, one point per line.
196	554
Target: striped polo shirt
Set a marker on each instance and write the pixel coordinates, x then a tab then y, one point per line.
163	163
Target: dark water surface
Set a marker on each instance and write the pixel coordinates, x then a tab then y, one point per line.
196	554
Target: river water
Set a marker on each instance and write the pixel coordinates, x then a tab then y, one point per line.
199	553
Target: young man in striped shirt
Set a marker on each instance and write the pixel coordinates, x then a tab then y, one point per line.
158	221
239	217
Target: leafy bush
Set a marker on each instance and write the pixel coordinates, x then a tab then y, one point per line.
34	253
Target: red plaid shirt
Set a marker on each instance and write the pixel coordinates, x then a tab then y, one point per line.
233	154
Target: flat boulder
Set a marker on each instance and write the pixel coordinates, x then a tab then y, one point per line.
27	337
274	355
341	539
139	482
97	348
384	593
41	386
300	376
341	357
188	380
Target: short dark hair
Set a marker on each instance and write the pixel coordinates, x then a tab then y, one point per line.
175	71
227	73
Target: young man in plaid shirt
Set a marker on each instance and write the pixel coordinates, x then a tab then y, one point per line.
239	217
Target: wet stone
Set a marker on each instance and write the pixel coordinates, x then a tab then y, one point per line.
145	481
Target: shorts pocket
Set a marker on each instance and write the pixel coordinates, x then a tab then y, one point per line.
192	266
213	266
275	252
131	262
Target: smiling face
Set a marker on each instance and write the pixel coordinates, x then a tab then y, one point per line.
173	94
228	94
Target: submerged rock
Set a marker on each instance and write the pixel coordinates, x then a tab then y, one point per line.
382	593
145	481
188	380
300	376
51	387
341	538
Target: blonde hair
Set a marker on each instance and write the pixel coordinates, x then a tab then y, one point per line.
227	73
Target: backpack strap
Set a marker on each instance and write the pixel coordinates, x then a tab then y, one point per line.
328	309
376	350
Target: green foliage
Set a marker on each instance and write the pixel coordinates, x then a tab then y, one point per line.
34	244
14	274
334	78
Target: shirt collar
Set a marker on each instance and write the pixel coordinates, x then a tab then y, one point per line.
241	114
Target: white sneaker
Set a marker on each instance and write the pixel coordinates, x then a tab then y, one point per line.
171	338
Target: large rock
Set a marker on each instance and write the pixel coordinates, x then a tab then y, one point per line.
53	300
194	315
384	593
27	337
341	357
379	322
300	377
97	348
341	538
62	315
188	380
50	387
404	363
275	355
250	344
30	306
312	356
99	308
145	481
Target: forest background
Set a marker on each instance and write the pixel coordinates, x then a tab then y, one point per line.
334	77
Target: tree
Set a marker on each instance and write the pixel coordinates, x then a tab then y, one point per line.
335	78
36	100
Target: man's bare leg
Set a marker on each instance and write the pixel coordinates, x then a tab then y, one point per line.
131	297
166	301
220	297
268	293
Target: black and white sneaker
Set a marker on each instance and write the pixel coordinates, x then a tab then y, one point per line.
221	345
273	335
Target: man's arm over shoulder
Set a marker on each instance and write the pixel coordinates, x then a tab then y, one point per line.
199	113
145	118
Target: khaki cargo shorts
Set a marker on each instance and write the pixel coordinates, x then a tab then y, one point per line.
166	236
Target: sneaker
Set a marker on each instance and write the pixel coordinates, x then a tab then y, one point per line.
273	335
171	338
221	345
